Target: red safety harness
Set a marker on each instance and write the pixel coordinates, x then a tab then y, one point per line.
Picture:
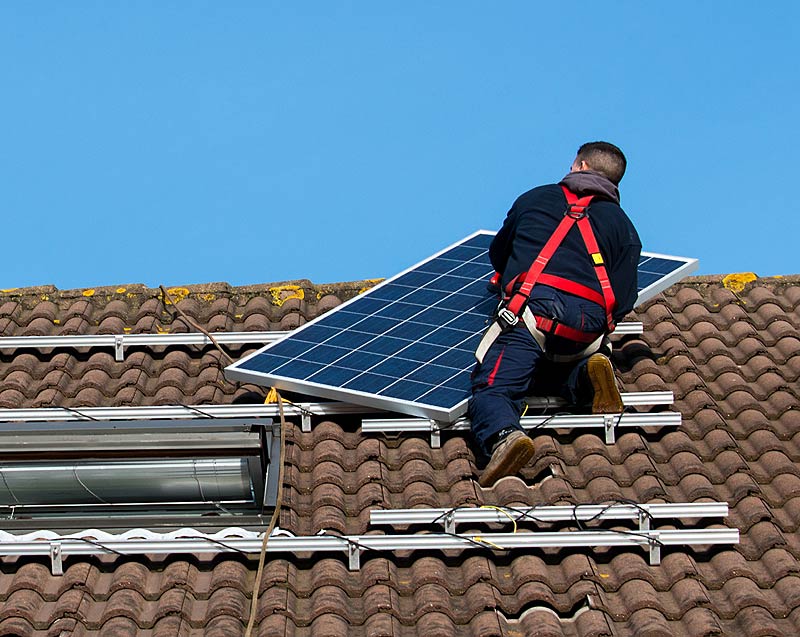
518	291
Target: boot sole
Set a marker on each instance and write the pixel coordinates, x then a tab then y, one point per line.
607	399
516	457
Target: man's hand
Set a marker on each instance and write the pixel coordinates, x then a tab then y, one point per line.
494	284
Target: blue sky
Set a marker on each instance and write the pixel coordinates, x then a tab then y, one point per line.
252	142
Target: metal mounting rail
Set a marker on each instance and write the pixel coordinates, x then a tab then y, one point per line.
120	341
158	412
138	542
609	423
629	399
629	327
643	513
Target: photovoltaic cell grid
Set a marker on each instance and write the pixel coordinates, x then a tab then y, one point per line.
408	344
410	339
656	272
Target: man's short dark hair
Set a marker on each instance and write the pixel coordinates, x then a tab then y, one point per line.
605	158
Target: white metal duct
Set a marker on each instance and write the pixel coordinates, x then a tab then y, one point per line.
125	481
163	473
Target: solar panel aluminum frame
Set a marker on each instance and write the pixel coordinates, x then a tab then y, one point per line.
689	266
390	404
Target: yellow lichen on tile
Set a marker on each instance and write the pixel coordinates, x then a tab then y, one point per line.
372	282
177	294
89	292
121	290
207	297
56	322
736	282
9	290
282	293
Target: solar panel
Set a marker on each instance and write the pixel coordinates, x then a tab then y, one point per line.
659	271
407	345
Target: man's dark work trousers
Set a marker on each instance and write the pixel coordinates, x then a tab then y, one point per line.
515	367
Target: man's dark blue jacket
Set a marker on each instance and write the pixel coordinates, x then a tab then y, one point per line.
535	216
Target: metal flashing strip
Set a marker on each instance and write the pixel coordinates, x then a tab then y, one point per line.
643	513
140	541
609	423
120	341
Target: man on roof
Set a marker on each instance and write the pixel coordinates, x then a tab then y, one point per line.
566	260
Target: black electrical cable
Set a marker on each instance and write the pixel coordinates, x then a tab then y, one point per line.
350	541
222	544
93	543
547	420
476	541
528	514
204	414
80	413
609	504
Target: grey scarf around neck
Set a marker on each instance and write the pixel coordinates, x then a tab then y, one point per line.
590	182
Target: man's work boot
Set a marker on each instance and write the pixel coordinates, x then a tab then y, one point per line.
606	393
508	456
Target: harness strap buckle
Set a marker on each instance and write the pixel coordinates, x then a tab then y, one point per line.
576	211
506	318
